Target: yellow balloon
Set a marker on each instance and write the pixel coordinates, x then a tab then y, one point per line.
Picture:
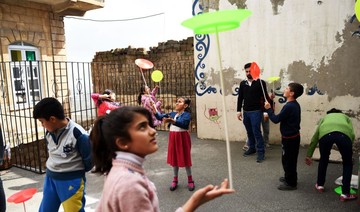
157	76
357	9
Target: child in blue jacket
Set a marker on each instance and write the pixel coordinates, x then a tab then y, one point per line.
179	145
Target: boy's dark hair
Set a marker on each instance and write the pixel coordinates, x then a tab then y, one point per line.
247	65
48	107
107	129
297	88
334	110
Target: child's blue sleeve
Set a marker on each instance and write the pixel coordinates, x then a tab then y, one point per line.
84	148
160	116
183	121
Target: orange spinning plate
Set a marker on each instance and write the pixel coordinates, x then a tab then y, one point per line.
22	196
254	71
144	64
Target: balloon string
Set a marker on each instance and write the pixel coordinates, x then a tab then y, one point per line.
224	111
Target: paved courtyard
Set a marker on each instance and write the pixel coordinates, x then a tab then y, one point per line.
255	184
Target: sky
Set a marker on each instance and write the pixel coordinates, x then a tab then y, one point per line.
85	38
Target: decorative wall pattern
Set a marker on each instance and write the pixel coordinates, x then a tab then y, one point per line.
202	45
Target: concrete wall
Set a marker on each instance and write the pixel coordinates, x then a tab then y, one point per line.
315	43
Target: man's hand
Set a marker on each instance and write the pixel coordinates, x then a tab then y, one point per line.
239	115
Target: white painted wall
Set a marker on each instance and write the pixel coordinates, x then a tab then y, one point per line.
301	31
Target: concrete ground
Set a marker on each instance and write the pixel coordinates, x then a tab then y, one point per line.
255	184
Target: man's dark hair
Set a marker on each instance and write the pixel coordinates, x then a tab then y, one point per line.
334	110
297	88
48	107
247	65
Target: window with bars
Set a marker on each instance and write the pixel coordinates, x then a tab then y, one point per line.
25	74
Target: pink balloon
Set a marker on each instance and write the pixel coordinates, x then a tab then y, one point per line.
254	71
144	64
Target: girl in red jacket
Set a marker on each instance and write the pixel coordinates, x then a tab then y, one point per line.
105	102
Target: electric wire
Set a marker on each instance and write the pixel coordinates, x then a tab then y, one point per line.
116	20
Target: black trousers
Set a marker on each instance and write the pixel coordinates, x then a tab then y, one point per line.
344	145
290	152
2	198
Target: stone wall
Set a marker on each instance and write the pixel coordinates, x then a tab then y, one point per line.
116	70
167	57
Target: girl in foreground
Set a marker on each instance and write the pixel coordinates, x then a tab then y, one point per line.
120	143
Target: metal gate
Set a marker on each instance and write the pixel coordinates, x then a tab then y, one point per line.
24	83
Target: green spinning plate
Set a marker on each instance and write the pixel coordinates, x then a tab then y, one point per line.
218	21
338	190
357	10
272	79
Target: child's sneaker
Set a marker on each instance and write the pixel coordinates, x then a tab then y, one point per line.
345	197
173	185
191	185
319	188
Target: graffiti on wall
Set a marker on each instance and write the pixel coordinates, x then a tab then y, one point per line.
212	115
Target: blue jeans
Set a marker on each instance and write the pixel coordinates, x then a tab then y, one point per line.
344	145
252	122
266	129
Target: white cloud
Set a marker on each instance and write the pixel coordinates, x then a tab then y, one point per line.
85	38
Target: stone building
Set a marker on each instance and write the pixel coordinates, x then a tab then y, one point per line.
32	66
